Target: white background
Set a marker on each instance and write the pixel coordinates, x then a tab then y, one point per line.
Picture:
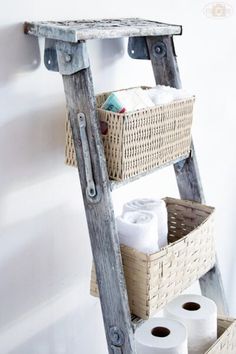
45	257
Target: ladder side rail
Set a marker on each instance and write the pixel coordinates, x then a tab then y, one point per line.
165	68
95	187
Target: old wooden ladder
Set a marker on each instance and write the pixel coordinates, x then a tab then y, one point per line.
65	52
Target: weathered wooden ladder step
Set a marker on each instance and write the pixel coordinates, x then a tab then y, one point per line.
65	52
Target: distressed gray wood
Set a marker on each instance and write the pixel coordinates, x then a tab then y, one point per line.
212	286
116	350
73	31
166	72
190	187
187	171
164	62
100	216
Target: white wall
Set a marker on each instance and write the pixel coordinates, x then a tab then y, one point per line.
45	255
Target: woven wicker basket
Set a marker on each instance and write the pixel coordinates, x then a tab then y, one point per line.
226	343
154	280
142	140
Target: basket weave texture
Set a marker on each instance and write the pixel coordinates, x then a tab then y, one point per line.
154	280
226	343
141	140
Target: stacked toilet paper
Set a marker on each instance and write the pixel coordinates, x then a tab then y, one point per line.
199	315
189	326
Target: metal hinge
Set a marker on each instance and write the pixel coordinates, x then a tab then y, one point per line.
66	58
138	49
90	188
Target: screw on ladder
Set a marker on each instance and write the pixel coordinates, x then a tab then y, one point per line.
68	58
159	49
117	339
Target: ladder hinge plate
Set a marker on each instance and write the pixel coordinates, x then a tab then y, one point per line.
64	57
137	48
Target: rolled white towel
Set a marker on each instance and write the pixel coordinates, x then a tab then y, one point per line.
138	229
158	206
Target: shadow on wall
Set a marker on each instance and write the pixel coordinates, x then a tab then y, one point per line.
27	142
67	334
21	53
111	50
27	145
44	276
18	53
104	55
37	265
41	257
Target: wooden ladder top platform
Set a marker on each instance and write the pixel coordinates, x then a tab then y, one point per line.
74	31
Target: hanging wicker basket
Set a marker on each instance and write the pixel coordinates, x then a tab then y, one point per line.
139	141
154	280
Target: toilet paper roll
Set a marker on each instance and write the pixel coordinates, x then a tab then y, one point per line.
161	336
138	229
199	315
158	206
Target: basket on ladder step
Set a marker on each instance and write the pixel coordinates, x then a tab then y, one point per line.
154	280
139	141
226	342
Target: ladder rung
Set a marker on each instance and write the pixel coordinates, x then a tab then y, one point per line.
117	184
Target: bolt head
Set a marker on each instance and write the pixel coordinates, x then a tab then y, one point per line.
159	49
117	336
68	58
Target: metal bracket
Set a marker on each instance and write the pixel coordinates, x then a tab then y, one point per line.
90	189
50	55
137	48
64	57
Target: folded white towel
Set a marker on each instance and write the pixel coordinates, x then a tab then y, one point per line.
158	206
138	229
